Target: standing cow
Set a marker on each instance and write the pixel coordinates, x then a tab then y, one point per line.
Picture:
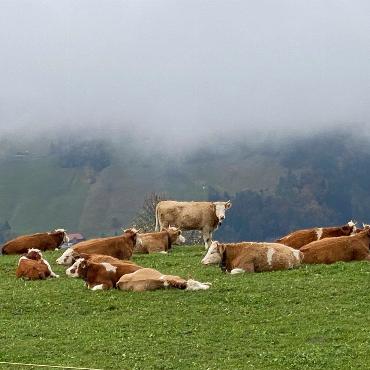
203	216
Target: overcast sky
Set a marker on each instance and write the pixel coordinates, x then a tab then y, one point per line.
185	68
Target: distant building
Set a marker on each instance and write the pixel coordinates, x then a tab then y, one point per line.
75	238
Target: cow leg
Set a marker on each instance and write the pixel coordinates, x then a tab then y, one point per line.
103	286
207	237
52	274
248	267
236	271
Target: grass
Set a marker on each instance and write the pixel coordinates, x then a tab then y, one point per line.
314	317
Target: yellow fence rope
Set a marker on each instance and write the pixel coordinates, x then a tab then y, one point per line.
47	366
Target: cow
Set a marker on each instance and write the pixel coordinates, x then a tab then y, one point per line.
97	258
360	229
299	238
160	241
120	247
103	275
33	266
252	257
150	279
42	241
343	248
203	216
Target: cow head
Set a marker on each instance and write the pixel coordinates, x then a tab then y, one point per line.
352	225
67	258
220	209
34	254
214	255
175	235
133	234
347	230
75	269
64	232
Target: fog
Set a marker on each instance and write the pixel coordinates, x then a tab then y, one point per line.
187	72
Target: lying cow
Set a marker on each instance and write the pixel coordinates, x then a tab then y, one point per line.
160	241
103	275
41	241
252	257
120	247
97	258
204	216
33	267
344	248
299	238
150	279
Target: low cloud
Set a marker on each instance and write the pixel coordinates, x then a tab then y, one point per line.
185	73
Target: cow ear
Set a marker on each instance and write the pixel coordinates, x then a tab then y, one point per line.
228	204
346	228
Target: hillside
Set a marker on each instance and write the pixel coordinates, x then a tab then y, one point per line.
38	193
95	186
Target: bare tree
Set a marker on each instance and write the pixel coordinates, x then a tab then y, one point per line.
145	219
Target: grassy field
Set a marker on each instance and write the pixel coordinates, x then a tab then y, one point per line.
316	317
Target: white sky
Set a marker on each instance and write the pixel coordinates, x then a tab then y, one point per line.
187	68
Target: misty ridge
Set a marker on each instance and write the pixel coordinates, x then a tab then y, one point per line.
95	185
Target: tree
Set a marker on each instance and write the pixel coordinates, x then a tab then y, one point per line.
145	219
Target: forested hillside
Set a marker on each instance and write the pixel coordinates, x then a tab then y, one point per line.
94	186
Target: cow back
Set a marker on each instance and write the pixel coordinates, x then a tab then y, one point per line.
259	257
41	241
154	242
119	247
331	250
32	269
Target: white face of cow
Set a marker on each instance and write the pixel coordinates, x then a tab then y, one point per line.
221	208
66	258
213	256
73	270
180	239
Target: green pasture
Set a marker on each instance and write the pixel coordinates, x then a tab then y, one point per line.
315	317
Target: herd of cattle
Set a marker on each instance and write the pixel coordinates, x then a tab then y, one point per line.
104	263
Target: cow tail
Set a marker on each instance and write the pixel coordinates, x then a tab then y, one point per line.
157	218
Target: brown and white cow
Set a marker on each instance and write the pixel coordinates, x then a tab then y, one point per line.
160	241
299	238
41	241
120	247
203	216
150	279
102	275
252	257
97	258
343	248
33	267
